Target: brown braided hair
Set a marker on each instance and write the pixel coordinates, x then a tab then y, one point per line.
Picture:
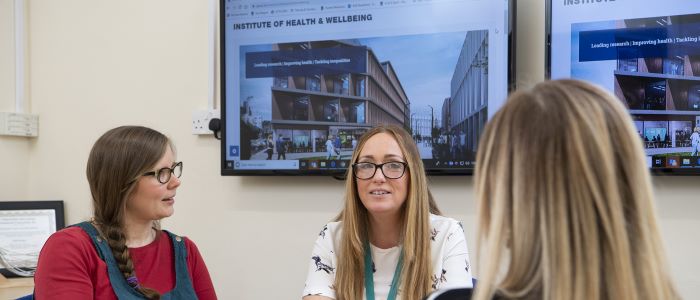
116	160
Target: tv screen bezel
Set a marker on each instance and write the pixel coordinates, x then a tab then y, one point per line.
548	76
340	173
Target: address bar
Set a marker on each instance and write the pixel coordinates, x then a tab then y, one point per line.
276	4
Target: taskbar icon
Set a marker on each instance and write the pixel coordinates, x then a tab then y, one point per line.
323	164
675	161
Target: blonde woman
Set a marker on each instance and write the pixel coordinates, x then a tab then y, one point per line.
565	202
389	242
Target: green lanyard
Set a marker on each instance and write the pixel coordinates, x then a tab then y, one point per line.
369	276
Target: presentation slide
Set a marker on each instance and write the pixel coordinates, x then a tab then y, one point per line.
648	54
307	78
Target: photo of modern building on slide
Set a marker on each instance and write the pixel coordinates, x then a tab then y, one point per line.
662	92
308	110
317	116
465	111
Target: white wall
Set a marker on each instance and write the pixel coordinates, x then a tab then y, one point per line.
14	151
95	65
7	52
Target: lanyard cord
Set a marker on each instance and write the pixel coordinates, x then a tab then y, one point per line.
369	276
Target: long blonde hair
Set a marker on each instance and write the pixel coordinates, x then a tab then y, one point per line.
417	268
565	201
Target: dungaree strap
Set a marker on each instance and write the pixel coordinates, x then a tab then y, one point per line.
183	285
121	288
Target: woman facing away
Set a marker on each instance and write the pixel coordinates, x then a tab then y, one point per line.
122	252
565	203
390	241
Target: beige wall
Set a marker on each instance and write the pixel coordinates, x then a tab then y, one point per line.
7	55
14	151
98	64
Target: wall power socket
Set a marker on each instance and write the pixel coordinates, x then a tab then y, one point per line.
200	120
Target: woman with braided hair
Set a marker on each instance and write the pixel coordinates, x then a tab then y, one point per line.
122	253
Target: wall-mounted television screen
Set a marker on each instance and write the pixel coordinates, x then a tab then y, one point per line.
646	52
303	80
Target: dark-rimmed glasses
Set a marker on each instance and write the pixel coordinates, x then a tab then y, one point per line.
391	170
163	175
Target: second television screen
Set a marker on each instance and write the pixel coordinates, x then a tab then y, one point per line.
303	80
646	52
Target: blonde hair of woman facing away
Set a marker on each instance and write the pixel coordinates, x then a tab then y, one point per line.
565	200
388	204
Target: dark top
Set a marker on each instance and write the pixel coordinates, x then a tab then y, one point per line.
451	294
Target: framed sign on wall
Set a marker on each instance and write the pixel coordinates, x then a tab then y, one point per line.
24	228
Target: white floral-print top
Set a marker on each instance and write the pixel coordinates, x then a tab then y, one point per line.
449	254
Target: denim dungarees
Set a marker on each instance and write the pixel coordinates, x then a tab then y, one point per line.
183	285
